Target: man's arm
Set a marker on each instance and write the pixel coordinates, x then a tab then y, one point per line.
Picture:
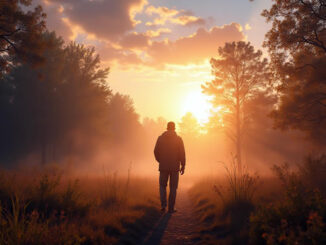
157	150
182	156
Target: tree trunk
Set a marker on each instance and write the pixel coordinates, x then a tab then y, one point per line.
238	129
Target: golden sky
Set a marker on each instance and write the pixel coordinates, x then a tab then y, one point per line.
159	50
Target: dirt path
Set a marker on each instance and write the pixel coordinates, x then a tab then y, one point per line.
177	228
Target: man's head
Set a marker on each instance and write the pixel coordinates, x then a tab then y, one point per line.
171	126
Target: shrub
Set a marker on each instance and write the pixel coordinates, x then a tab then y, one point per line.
299	218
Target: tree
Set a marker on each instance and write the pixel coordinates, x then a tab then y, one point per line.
241	74
20	33
297	45
52	108
296	25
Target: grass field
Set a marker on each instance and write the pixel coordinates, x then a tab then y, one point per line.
50	207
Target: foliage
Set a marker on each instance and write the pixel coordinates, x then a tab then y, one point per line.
296	43
20	33
296	25
299	218
313	173
46	107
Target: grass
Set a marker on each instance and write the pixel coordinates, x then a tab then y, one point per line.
49	207
287	208
226	220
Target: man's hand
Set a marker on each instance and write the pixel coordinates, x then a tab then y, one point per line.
182	171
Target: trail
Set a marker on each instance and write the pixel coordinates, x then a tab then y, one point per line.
177	228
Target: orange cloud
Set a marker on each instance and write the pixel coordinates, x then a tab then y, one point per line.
111	54
161	11
134	40
196	48
158	32
173	16
104	19
187	20
110	26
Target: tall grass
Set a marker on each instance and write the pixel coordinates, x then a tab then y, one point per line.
239	186
236	194
224	205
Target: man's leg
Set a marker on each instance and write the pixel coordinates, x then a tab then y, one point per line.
174	180
163	183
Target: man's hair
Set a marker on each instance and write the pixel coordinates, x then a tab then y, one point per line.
171	126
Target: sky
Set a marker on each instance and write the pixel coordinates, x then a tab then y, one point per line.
158	51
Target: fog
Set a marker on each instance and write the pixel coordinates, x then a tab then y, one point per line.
68	116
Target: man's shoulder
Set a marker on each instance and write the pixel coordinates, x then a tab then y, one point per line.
179	138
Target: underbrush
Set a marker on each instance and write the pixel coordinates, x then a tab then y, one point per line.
49	207
289	208
224	205
299	216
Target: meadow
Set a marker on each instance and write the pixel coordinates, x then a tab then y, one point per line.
48	206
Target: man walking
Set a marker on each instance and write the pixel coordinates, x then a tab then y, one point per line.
170	153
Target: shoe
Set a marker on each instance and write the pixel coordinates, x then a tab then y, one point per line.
171	211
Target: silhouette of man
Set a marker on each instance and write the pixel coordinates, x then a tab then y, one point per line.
170	153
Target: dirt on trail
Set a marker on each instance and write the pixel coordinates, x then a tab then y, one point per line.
177	228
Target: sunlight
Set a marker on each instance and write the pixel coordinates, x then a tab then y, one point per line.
197	103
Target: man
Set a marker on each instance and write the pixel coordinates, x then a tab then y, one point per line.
170	153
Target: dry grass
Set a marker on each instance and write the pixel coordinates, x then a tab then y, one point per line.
224	216
49	207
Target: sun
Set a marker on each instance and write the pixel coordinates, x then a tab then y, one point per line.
198	104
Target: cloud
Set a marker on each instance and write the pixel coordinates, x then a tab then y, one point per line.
134	40
248	27
158	32
195	48
161	11
54	20
174	16
105	19
111	54
187	20
110	26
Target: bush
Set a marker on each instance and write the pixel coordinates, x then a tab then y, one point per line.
299	218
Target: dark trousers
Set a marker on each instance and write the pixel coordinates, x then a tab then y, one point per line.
174	179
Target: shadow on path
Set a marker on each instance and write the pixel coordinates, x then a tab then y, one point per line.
155	237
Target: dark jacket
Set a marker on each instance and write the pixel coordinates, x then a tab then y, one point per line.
169	151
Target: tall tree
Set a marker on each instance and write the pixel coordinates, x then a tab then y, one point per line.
297	45
20	33
241	74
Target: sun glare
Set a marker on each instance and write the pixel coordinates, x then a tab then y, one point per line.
198	104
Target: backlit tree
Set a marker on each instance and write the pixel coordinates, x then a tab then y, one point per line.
241	74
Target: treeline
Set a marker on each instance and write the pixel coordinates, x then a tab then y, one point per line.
55	100
61	107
